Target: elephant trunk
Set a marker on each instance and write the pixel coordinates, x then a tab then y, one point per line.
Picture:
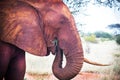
74	63
71	45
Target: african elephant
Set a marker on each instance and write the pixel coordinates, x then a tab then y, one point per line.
38	27
32	26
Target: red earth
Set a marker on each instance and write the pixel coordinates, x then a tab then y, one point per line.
80	76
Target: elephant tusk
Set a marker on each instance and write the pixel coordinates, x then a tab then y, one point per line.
95	63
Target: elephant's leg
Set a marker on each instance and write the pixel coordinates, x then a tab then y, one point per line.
6	52
16	68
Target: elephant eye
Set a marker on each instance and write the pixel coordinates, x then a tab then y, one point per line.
63	20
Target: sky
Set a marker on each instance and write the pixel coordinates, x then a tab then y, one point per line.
99	18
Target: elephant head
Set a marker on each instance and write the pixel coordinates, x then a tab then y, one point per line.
33	25
60	24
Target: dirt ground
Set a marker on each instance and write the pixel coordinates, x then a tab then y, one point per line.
80	76
101	52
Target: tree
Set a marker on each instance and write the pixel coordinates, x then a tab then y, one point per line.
110	3
118	39
81	3
116	28
76	5
101	34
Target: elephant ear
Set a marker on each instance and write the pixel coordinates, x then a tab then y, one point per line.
21	26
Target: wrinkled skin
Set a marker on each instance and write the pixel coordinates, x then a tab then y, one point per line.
33	26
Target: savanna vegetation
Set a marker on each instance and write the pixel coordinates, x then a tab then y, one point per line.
116	31
98	36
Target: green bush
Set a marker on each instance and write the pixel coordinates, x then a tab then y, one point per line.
101	34
118	39
91	38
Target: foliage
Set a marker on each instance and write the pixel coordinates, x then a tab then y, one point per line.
109	3
91	38
101	34
116	28
118	39
76	4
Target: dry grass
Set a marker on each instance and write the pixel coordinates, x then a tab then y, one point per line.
37	76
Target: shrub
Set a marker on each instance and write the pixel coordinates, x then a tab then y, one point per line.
118	39
91	38
101	34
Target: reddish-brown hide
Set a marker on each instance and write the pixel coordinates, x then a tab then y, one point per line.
22	26
22	23
32	25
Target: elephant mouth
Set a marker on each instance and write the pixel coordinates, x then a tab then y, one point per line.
53	48
50	50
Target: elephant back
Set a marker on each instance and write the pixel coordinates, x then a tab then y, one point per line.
21	25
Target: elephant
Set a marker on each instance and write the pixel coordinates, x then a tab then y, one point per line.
39	27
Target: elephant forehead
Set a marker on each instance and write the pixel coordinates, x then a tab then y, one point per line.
62	10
